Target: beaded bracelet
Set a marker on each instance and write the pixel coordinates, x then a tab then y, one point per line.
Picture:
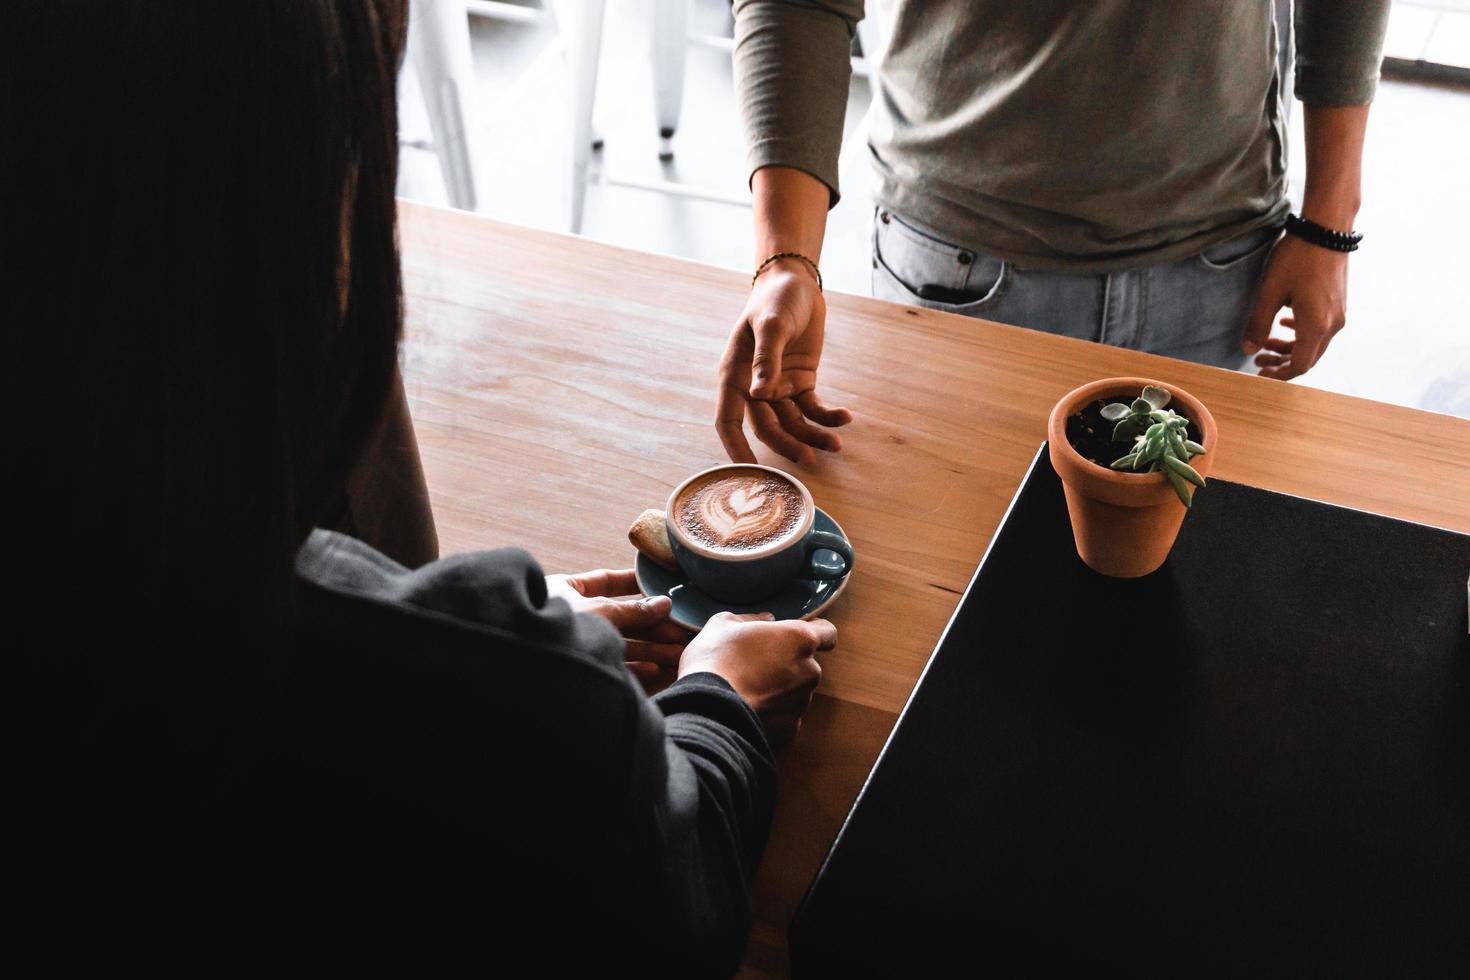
1310	231
788	255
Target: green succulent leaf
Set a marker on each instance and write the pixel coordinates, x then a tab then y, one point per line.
1114	412
1176	445
1180	487
1157	397
1152	448
1126	430
1126	461
1141	407
1185	470
1195	449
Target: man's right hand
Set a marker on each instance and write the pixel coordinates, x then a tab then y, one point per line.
770	664
769	371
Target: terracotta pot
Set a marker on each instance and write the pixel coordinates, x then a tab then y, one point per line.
1124	523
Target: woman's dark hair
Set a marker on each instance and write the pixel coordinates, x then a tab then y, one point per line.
176	180
199	288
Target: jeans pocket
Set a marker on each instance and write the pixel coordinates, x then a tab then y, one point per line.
1239	250
930	272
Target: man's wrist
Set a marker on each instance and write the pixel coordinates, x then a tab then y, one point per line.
791	260
790	212
1334	177
1338	214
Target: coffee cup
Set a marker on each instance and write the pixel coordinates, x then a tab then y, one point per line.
742	532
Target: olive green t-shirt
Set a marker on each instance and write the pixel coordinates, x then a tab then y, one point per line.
1080	135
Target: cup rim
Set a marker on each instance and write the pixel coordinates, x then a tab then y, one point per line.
810	516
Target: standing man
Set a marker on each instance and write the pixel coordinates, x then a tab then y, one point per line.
1107	170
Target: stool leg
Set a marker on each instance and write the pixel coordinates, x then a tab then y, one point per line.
580	24
670	52
439	45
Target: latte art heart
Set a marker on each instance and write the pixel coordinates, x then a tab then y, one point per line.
740	511
736	515
743	504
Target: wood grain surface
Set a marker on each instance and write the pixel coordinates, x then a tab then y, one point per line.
561	386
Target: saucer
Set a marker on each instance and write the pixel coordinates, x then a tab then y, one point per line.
802	599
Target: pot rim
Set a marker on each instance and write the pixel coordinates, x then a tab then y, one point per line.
1101	481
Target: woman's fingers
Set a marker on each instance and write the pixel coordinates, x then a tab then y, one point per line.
630	615
666	631
823	634
644	670
734	617
605	582
666	655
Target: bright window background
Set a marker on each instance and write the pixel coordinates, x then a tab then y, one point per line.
1408	334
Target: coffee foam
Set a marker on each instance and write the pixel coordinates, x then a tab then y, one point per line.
736	511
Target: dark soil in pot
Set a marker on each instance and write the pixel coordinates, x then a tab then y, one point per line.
1092	435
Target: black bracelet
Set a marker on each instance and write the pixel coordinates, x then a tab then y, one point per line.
1310	231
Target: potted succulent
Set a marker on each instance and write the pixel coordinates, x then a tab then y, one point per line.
1131	453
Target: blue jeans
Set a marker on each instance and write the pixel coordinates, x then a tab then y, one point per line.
1194	309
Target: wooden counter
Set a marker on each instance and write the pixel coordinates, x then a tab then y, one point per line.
561	386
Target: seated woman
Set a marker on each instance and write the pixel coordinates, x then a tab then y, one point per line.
239	730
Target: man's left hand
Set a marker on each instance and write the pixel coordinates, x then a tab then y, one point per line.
1312	281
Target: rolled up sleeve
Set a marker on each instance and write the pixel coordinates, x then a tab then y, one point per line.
792	71
1339	50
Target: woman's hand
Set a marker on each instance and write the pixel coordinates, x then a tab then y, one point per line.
653	643
770	664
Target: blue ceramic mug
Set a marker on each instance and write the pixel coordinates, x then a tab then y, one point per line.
757	573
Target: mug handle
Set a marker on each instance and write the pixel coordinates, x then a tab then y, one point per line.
832	542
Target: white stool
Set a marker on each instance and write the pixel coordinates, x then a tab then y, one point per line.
670	52
580	22
439	48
